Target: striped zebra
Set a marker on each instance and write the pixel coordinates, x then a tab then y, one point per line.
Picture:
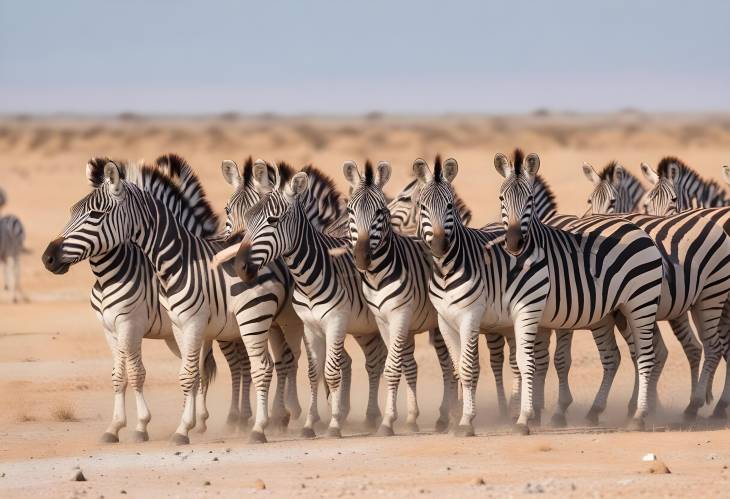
615	190
327	292
324	209
540	277
696	257
12	238
395	270
203	304
403	219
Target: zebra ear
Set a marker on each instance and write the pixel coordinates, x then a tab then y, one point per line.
502	165
532	164
450	169
111	175
421	171
297	185
231	173
260	176
591	174
649	174
382	174
726	173
352	174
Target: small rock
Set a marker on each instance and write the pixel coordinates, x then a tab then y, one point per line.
206	483
649	457
178	453
228	449
215	459
478	481
534	488
78	476
123	492
658	468
303	486
259	484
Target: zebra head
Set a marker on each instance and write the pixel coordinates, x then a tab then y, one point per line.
435	213
663	199
609	190
515	197
99	222
248	188
367	210
272	226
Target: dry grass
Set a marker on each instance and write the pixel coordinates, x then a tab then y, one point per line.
64	413
24	417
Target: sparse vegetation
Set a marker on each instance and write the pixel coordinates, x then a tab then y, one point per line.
64	413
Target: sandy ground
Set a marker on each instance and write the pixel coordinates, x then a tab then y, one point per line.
55	366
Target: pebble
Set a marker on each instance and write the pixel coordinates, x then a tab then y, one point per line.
658	468
478	481
259	484
78	476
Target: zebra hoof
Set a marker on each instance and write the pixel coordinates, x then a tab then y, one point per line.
413	427
334	432
295	412
180	439
536	420
232	420
109	438
690	414
636	424
256	437
243	424
442	426
592	417
464	430
385	431
520	429
308	432
719	413
202	428
558	420
371	422
140	436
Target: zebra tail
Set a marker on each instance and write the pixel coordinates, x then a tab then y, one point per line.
210	368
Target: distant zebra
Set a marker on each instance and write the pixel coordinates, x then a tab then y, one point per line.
542	277
395	271
616	190
12	238
203	303
325	211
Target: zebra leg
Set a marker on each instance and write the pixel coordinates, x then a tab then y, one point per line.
495	344
542	361
18	295
293	337
119	385
207	372
191	345
230	352
453	344
562	361
256	340
610	360
469	372
691	346
642	321
707	318
397	339
131	343
315	347
525	336
245	368
449	377
376	353
410	369
279	414
720	411
516	395
335	338
661	353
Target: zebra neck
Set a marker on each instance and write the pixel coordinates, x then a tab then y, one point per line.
385	259
118	265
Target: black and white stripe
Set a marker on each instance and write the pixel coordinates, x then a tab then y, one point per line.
12	238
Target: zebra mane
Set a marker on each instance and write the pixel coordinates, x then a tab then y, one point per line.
369	173
188	183
666	162
518	157
248	172
608	170
437	170
329	191
543	198
95	170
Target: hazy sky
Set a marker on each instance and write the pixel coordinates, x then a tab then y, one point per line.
351	57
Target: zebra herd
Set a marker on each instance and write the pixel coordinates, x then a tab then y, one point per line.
297	260
12	239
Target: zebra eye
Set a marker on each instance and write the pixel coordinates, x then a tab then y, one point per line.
449	206
590	201
228	210
501	198
273	221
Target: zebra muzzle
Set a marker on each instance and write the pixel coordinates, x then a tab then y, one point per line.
514	241
53	257
439	242
362	253
245	269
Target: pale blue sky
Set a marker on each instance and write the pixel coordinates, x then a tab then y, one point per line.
352	57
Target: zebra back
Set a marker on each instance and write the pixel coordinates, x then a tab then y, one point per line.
701	193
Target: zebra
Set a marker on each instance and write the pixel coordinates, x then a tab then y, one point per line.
325	210
403	219
328	294
616	190
203	303
12	239
395	270
538	278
